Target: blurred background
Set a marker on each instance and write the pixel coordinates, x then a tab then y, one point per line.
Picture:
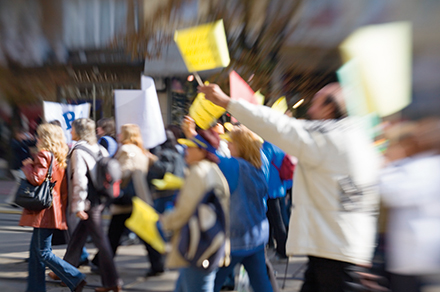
75	51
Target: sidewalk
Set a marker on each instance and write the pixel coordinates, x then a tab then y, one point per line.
131	261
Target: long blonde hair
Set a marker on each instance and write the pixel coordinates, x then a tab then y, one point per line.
51	138
131	134
248	145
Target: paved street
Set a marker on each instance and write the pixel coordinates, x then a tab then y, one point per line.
131	260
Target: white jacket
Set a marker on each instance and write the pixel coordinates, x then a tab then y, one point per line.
410	188
325	222
78	164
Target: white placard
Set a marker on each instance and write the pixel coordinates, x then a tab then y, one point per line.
141	107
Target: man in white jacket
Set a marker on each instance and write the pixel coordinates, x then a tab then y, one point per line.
334	194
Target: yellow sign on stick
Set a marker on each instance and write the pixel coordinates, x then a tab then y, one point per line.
204	112
143	222
280	105
383	59
203	47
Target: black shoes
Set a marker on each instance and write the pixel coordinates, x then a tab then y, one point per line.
152	273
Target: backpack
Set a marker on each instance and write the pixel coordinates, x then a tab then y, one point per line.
286	169
108	176
202	238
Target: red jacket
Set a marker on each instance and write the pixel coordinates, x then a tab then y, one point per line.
55	216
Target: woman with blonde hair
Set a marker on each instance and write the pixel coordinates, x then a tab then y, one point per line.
52	148
134	161
249	227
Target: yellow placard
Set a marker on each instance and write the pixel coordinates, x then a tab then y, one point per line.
203	47
169	182
280	105
204	112
143	222
382	55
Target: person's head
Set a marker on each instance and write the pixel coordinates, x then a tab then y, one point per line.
84	129
245	144
55	122
219	129
106	127
131	134
402	140
201	147
170	143
328	103
51	138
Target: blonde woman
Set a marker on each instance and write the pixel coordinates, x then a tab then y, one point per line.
50	143
134	161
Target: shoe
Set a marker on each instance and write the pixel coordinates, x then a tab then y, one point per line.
83	263
152	273
107	289
53	276
80	286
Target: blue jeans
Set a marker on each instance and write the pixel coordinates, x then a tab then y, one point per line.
40	256
255	265
195	280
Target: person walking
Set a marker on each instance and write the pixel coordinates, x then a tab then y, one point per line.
52	148
134	164
87	205
334	219
203	176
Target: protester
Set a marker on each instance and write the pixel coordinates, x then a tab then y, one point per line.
106	133
134	163
334	220
203	176
20	145
87	205
276	193
51	145
410	191
168	160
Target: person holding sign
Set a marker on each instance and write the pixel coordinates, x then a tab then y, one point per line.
334	220
204	176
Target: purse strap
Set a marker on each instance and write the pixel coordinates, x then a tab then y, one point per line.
49	173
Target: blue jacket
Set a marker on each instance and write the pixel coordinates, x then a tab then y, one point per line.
275	156
249	226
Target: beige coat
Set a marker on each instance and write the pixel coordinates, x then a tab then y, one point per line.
202	177
134	165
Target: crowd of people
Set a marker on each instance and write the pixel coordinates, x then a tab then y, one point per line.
340	183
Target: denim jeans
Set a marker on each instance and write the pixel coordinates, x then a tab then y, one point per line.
40	256
195	280
255	265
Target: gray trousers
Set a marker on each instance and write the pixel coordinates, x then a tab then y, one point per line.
93	227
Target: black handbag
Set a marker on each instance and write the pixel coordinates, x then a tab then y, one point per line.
36	198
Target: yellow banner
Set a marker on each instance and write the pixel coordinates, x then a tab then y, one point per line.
143	222
204	112
203	47
382	55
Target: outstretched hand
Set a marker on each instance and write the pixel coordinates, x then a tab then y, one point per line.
189	127
214	93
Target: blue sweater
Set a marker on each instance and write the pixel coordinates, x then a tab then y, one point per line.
275	156
249	226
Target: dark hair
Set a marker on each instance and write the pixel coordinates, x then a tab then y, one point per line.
108	126
177	131
340	110
55	122
170	143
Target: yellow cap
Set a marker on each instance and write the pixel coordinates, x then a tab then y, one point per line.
228	126
187	142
